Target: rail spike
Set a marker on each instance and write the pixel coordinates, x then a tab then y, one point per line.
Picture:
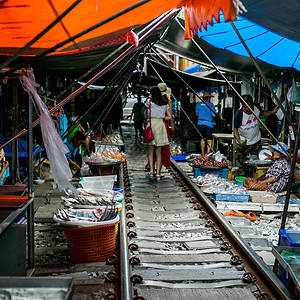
128	200
111	277
132	234
130	224
248	277
130	215
225	246
112	260
216	234
235	260
129	207
138	298
136	278
134	261
133	246
209	223
263	296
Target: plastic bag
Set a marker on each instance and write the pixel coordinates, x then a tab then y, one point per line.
54	145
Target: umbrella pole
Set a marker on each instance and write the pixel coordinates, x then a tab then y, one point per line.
265	79
291	177
99	74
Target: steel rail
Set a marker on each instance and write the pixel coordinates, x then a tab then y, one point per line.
253	261
126	287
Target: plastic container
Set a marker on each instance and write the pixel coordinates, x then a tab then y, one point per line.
99	178
290	238
91	244
286	271
223	173
180	157
262	197
239	180
231	197
98	185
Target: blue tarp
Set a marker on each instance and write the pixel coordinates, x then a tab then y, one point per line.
22	148
193	68
264	44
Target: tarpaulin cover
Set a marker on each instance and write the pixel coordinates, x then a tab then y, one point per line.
264	44
22	20
22	148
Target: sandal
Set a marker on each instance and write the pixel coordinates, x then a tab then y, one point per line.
149	175
158	178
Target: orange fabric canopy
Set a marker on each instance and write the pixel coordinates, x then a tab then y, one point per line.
21	20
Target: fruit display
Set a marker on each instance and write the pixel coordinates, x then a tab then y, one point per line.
207	161
106	155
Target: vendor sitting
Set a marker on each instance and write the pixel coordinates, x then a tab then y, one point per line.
4	167
75	161
277	176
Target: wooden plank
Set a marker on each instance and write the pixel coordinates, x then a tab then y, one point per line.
197	275
184	259
197	294
260	207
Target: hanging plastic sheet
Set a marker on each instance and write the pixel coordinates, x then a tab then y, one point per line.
54	145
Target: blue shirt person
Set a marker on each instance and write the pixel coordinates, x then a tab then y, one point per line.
77	140
206	112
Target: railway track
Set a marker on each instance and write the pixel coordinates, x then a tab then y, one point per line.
181	247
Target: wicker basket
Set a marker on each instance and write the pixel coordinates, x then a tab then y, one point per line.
90	244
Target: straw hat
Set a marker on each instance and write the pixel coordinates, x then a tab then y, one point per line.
279	149
207	94
164	89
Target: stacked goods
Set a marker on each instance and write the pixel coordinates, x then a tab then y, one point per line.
207	161
113	139
107	155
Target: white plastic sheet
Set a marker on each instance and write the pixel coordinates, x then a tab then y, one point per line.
54	145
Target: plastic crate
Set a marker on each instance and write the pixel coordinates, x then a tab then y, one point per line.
223	173
231	197
286	271
290	238
180	157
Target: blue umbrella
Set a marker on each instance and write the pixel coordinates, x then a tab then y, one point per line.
264	44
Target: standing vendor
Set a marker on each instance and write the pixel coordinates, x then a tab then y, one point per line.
206	112
277	176
246	131
74	158
4	167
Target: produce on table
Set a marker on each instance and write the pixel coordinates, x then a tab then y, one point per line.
207	161
106	155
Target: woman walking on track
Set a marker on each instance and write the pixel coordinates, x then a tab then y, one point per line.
157	110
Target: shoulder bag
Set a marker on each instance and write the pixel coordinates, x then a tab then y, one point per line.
148	133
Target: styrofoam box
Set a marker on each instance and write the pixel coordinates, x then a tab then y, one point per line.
262	197
99	178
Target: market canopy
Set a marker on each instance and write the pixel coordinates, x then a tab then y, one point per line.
22	21
263	44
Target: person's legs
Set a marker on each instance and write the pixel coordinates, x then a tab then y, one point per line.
136	128
202	144
209	146
158	162
140	127
150	158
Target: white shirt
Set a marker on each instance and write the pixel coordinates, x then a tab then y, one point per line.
157	112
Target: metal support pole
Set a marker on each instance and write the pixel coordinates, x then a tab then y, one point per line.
104	70
30	209
291	177
126	291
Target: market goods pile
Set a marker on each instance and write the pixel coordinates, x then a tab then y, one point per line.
89	209
114	139
206	161
106	155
